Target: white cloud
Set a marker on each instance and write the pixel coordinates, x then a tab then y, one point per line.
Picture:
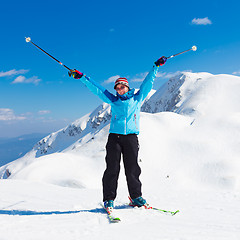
201	21
23	79
236	73
139	77
169	75
163	75
20	79
111	79
7	114
43	112
13	72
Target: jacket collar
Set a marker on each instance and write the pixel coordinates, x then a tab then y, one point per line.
127	95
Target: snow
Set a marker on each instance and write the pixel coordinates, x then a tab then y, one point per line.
32	210
189	156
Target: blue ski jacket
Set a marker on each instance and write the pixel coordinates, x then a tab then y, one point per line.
125	108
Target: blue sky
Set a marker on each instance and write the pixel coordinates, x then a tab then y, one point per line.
103	39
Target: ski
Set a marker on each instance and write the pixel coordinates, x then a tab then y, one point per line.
147	206
111	217
158	209
165	211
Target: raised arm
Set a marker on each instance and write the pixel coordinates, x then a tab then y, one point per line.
94	87
147	84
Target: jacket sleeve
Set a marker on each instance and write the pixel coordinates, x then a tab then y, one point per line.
97	89
147	84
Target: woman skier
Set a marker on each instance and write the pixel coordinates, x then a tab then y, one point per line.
124	128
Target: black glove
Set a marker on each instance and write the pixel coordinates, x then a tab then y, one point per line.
161	61
75	73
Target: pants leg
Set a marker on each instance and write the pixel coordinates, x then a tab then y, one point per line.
110	176
130	148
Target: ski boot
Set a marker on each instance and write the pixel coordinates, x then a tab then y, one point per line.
139	202
108	205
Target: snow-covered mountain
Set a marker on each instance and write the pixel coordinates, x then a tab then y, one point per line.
194	112
196	94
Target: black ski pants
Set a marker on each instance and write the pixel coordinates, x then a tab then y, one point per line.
127	146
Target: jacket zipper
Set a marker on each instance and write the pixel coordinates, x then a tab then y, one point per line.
125	126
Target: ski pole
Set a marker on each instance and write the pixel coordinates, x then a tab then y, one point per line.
194	48
28	39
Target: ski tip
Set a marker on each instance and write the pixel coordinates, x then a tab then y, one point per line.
174	213
115	220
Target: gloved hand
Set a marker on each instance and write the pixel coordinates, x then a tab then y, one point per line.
75	73
161	61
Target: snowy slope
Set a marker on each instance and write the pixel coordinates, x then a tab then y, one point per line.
38	211
189	155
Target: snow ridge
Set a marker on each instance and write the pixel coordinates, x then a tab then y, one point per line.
173	95
77	131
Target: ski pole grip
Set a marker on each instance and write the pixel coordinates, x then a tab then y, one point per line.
75	73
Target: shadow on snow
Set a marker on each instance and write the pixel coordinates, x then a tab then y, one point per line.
33	213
